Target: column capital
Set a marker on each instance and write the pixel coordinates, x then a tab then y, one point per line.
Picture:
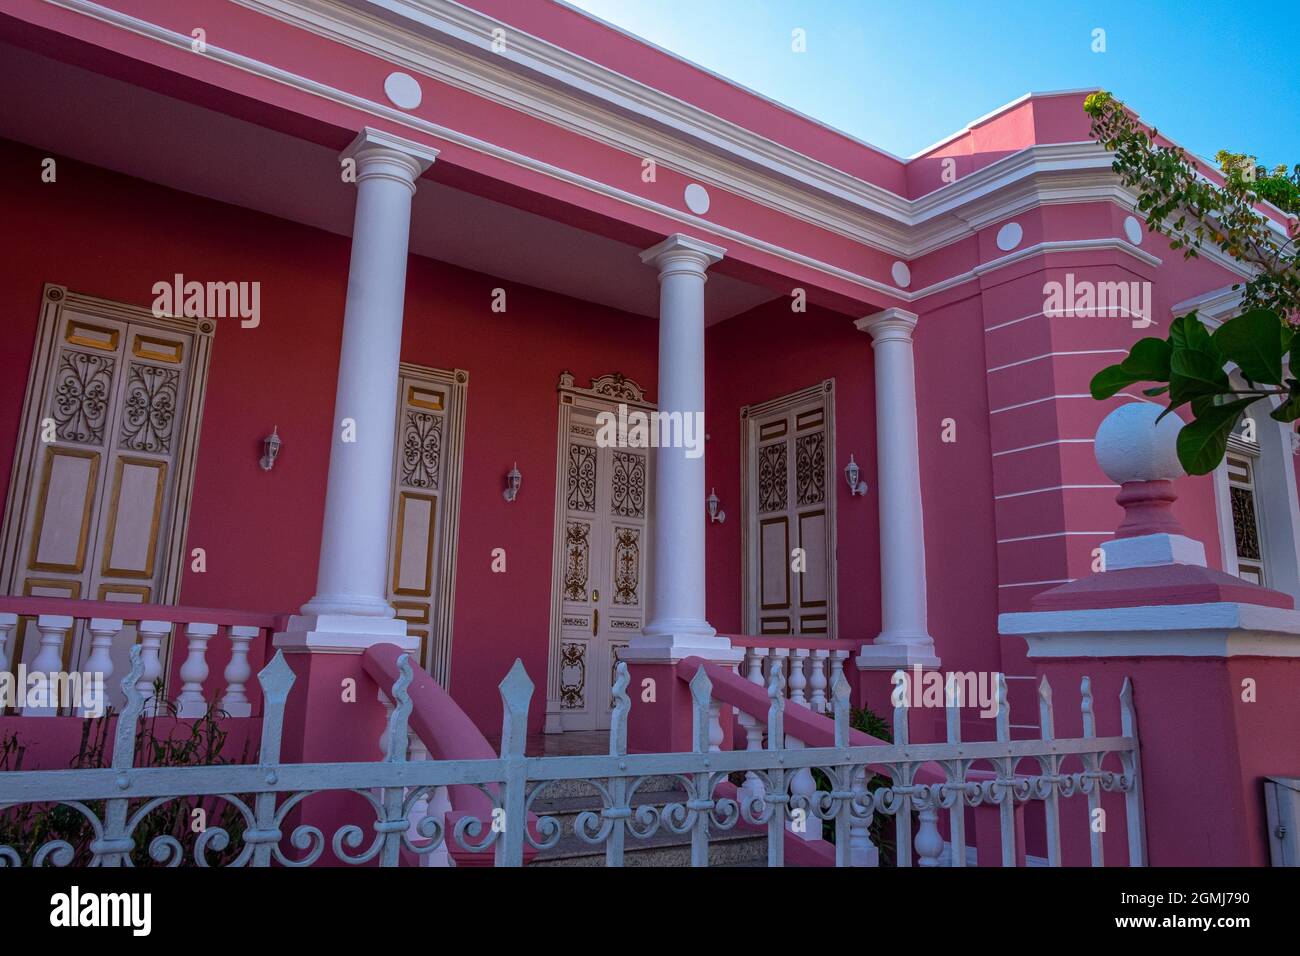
891	325
680	253
377	153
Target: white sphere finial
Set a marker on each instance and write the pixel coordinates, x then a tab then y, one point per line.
1131	446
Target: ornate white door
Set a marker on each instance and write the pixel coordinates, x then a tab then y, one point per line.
602	571
789	531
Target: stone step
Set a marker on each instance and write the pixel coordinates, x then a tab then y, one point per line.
665	848
563	789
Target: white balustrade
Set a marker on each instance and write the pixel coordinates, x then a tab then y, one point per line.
796	679
78	648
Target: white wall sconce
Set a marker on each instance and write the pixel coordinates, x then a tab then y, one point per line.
513	481
271	449
712	503
853	475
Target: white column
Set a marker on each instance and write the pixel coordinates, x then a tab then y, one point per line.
350	608
677	627
904	637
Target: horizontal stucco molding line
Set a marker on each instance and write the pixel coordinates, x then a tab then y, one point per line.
1048	247
1046	444
352	101
1057	534
1036	584
1043	491
1220	629
1024	318
1047	355
1052	398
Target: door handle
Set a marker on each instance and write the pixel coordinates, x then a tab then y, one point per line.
595	620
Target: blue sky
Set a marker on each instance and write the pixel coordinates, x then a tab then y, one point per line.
902	75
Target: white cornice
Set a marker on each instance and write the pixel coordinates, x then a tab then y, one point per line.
453	44
754	168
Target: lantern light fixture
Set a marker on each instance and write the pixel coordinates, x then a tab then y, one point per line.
271	449
853	475
513	481
712	503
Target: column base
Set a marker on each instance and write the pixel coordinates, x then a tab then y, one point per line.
898	653
342	634
358	605
670	644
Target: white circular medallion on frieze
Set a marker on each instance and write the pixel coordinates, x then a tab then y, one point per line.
1009	236
1133	229
697	199
901	273
403	90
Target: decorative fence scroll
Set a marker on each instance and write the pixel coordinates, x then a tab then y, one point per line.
924	780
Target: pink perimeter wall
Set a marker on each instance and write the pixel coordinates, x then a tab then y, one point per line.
113	236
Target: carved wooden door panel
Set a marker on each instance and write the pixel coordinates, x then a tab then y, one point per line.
96	496
425	509
790	558
604	570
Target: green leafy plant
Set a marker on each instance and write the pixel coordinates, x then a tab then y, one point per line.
28	827
1189	366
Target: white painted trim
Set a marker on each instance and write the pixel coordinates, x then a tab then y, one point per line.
1047	355
1221	629
1052	398
1023	318
1057	534
1040	491
1046	444
1035	584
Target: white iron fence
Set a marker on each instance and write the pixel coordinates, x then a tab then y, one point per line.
923	781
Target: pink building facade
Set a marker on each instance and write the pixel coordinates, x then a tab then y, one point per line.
435	243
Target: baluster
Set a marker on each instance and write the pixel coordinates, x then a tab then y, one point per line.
100	662
1051	803
955	771
776	662
798	656
423	806
817	679
194	671
235	702
152	634
903	775
1134	812
1006	767
776	795
702	715
8	621
863	852
754	664
929	842
516	693
48	662
1092	768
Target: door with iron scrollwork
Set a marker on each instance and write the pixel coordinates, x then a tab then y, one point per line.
603	574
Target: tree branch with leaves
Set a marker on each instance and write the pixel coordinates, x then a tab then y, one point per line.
1185	206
